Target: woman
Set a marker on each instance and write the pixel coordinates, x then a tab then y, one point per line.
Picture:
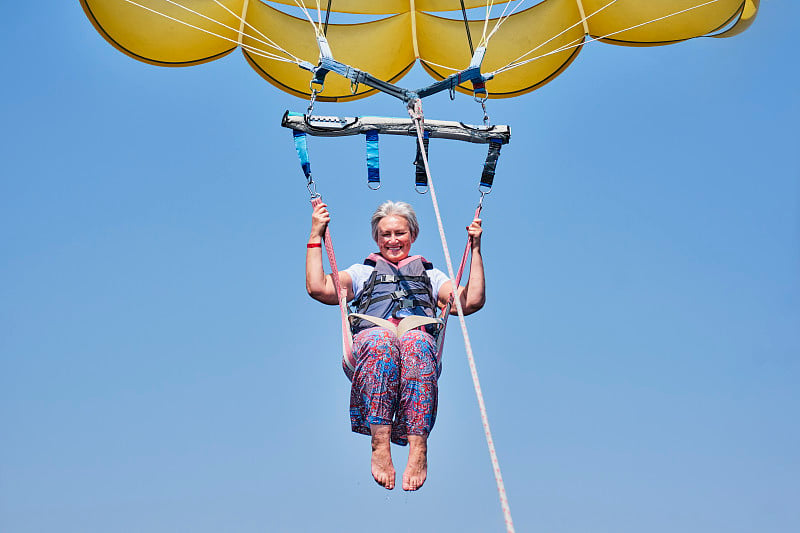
394	390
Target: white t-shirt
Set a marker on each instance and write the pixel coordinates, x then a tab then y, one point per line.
360	273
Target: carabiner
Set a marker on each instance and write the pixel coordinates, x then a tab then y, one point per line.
483	195
314	93
312	189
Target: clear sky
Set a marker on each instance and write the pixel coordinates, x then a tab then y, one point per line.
162	369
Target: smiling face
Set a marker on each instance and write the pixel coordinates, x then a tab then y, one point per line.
394	238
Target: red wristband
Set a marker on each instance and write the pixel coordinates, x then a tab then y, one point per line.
314	245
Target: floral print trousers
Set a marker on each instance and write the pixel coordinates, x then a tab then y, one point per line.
395	382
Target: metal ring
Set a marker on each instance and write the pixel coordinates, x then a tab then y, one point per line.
321	86
371	183
483	195
311	101
418	186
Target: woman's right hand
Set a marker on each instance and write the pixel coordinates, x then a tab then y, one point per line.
320	218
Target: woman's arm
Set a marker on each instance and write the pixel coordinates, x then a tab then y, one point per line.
473	294
319	285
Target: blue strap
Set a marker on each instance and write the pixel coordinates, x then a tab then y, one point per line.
373	158
301	146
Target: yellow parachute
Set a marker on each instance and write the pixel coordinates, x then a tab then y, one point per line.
527	44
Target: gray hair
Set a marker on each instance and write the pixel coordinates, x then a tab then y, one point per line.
400	209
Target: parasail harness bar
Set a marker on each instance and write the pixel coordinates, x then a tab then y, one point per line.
325	126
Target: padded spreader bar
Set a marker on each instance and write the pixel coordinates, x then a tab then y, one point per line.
437	129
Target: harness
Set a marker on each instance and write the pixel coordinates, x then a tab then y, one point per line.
394	288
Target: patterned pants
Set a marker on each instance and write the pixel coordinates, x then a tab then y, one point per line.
394	382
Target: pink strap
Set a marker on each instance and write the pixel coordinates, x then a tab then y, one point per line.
341	292
449	306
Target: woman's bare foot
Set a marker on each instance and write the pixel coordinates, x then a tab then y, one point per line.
417	468
382	467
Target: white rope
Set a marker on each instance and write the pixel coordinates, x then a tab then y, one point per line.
254	50
440	66
416	115
243	22
580	22
562	49
245	7
317	30
503	17
489	5
268	41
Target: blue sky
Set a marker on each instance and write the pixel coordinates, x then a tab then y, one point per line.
162	369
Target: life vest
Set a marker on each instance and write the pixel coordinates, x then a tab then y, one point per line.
392	287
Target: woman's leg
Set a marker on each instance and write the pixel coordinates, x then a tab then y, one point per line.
373	397
418	402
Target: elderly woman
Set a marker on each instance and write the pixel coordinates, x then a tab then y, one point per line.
394	385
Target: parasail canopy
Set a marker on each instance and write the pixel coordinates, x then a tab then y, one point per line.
527	43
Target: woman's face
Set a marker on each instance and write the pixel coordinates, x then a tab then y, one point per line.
394	238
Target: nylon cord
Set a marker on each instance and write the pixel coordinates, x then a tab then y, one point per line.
466	25
514	65
243	22
580	22
252	49
327	16
268	42
417	117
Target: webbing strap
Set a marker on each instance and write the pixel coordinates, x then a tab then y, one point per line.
301	145
421	177
395	278
373	159
449	306
489	166
341	292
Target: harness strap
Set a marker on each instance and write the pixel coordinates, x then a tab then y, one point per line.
373	160
372	262
449	306
401	295
394	278
301	145
341	292
489	166
421	177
